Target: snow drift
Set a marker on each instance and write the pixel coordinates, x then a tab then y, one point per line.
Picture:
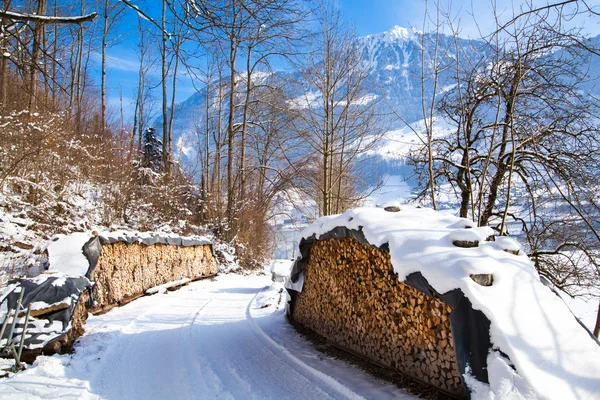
537	348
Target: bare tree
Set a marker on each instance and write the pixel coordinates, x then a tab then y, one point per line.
110	17
247	34
523	156
144	101
12	24
335	114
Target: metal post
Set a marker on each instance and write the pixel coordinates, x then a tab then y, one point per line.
23	332
16	316
5	323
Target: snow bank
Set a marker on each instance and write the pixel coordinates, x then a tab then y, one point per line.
554	357
65	254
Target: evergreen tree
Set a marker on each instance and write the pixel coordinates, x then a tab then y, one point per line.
152	157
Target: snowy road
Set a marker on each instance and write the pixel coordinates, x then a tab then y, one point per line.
225	339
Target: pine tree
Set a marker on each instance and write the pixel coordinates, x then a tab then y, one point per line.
152	157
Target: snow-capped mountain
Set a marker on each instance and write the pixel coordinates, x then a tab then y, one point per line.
393	59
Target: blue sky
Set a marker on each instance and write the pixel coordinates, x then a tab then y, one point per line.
368	16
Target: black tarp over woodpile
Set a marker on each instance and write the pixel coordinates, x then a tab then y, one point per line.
53	301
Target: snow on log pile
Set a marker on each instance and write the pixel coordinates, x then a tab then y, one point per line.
443	301
124	265
57	316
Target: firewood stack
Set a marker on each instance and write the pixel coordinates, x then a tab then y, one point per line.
128	270
353	298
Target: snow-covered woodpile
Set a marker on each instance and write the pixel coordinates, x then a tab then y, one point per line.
416	289
90	272
125	270
124	265
371	313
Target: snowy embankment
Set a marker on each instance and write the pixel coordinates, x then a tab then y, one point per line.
554	357
224	338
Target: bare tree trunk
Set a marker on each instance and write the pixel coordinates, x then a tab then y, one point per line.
55	85
45	66
3	59
502	167
166	145
326	146
242	172
217	178
205	192
340	172
597	327
138	116
79	74
140	104
230	128
38	34
103	68
176	55
428	117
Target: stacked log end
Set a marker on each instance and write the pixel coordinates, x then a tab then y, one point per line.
353	298
79	318
126	270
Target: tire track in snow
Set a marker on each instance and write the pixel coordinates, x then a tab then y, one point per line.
241	363
141	357
282	351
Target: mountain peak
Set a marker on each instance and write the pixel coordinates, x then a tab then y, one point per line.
403	33
396	34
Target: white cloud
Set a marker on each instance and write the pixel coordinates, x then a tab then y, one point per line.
118	63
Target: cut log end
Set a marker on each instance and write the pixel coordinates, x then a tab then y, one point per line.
483	279
466	243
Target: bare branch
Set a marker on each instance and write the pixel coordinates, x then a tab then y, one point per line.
48	19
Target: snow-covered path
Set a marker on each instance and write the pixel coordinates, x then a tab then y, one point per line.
225	339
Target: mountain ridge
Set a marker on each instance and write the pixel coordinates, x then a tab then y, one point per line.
393	59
